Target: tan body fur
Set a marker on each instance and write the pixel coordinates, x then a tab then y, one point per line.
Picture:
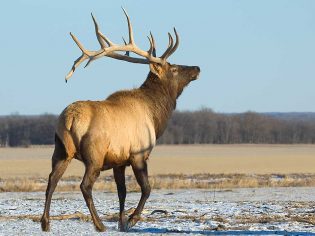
117	130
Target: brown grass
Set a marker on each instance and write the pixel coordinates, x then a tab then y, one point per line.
205	181
263	219
174	167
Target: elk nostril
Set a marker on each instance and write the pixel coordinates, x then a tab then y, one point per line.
197	68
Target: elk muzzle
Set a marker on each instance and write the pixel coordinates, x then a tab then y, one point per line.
195	70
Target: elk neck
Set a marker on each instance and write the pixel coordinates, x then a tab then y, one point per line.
161	98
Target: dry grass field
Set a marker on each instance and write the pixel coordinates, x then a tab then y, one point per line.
181	159
191	166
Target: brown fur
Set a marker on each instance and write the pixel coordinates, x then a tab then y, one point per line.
116	132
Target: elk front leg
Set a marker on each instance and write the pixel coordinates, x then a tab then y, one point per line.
141	172
90	176
119	175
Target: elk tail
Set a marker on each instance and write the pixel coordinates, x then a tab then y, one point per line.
65	142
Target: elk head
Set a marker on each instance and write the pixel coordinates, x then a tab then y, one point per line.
174	76
177	77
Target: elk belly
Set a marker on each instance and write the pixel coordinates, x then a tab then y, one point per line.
136	141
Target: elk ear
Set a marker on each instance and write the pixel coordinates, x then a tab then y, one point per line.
156	69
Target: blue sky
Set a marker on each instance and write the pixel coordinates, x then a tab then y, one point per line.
253	55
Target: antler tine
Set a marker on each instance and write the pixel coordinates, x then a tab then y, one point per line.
151	46
76	63
89	61
110	43
79	60
169	48
153	42
100	35
131	39
127	52
78	43
99	38
176	43
124	40
102	39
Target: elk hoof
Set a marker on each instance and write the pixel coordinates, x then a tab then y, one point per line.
45	224
100	227
132	221
123	224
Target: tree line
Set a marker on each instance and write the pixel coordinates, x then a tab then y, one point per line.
17	130
206	126
185	127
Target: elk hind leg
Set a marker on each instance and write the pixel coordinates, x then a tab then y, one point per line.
59	165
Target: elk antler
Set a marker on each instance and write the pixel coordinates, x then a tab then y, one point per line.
110	49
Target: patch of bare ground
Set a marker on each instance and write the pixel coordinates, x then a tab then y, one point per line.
220	182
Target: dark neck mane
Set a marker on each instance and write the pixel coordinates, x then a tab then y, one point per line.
161	97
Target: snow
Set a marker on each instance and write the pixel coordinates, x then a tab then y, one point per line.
252	211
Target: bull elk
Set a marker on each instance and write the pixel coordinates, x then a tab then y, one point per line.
121	130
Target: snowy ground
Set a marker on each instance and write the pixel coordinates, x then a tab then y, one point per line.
263	211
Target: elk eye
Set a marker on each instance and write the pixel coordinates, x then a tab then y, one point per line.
174	70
